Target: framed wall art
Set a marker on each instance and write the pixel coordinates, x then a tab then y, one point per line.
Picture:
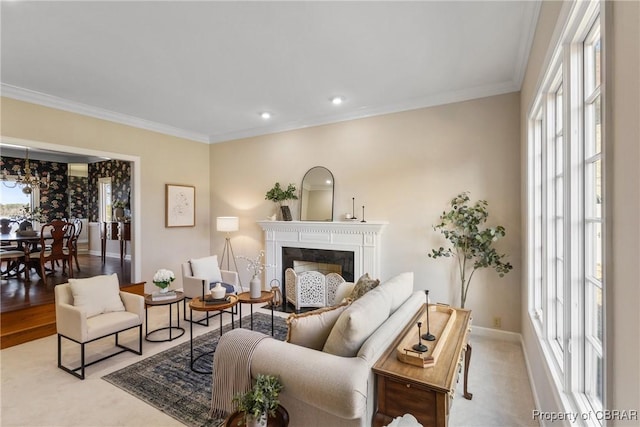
180	210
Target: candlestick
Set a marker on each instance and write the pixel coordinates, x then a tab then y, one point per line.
353	208
428	336
420	347
363	214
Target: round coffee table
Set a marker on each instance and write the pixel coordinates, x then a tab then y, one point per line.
245	298
198	305
149	301
280	419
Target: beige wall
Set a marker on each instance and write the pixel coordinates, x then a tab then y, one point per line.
404	168
163	159
622	177
623	182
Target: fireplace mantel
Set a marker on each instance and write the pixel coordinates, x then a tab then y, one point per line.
363	239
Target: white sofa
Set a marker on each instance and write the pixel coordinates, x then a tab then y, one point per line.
322	388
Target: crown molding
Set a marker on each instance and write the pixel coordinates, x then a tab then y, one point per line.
364	112
432	100
531	9
43	99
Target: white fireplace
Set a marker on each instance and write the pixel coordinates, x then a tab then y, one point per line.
362	239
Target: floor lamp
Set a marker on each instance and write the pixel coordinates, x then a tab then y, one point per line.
228	224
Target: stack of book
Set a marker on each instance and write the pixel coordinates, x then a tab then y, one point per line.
209	300
158	296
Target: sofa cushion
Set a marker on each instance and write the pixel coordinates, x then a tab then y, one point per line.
97	295
357	322
311	329
362	286
398	289
206	268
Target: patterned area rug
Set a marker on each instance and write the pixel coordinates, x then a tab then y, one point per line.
166	382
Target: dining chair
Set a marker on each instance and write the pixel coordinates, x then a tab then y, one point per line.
55	244
77	224
8	226
13	258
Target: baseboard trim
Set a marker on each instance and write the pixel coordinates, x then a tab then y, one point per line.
496	334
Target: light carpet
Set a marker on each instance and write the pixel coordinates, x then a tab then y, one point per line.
166	381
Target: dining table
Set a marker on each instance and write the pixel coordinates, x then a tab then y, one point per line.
27	243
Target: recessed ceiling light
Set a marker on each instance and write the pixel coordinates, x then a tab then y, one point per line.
265	115
337	100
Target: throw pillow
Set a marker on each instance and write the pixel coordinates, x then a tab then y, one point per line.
206	268
97	295
343	292
357	323
311	329
363	285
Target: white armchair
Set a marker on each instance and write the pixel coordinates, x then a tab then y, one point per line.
198	275
94	308
311	288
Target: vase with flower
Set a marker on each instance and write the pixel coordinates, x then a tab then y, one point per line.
255	266
163	279
118	210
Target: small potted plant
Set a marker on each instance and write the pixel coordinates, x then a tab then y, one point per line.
280	197
260	402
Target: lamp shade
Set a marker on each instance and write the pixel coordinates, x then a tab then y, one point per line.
227	223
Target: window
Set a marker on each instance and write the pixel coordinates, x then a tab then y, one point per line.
104	196
593	280
13	200
535	203
555	203
565	212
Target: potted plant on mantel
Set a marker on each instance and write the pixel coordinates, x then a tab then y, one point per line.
280	196
470	244
260	402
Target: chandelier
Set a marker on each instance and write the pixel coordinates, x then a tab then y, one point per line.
29	181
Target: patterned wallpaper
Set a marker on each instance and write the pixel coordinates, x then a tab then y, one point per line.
120	173
78	191
53	201
75	197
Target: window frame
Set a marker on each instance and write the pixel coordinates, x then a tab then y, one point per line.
105	199
568	357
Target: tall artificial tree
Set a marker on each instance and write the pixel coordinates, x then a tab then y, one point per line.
471	242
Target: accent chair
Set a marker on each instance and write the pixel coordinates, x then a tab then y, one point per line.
94	308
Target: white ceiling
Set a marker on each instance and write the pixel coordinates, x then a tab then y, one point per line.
204	70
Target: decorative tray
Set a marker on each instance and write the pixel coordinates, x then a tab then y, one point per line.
441	320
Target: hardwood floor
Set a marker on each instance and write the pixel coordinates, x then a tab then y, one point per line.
27	308
16	294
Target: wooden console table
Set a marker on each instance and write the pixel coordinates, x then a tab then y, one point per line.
425	393
120	231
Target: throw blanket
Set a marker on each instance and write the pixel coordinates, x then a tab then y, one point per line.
232	369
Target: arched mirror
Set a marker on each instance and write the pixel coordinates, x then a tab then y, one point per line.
316	203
